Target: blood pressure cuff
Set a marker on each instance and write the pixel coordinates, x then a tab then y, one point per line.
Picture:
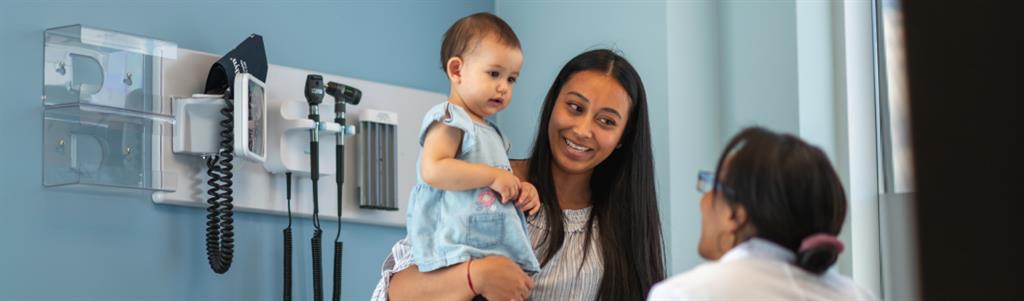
249	57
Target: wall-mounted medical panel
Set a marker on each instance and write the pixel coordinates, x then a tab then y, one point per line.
261	188
103	122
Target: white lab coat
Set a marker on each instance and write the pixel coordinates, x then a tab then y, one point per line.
757	270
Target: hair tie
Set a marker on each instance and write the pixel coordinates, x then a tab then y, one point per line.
820	240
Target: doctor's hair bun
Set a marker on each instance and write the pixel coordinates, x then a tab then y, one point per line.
818	252
817	259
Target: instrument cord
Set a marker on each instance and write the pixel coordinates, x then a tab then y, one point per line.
288	243
220	240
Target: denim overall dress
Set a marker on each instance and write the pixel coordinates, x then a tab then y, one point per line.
449	227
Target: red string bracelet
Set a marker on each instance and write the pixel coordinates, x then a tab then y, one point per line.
470	279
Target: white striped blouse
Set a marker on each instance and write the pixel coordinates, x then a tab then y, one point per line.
563	278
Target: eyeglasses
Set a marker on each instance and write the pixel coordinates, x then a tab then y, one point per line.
706	182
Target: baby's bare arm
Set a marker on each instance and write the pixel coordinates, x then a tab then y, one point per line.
439	167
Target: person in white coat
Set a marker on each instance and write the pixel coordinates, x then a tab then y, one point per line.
770	214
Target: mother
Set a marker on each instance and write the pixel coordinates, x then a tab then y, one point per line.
598	236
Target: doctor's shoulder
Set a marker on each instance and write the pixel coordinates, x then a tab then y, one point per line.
845	287
697	283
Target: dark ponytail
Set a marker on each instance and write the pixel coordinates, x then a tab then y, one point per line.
790	191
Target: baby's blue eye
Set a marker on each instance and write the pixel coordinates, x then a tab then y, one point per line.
512	80
493	74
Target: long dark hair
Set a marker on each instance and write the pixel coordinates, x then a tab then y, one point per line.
622	188
789	189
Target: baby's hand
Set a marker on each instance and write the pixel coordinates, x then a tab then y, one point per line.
506	184
529	200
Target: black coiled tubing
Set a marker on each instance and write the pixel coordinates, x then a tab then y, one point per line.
337	271
220	238
288	264
318	270
288	243
339	167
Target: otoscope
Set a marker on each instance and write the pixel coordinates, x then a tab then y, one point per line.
314	95
342	94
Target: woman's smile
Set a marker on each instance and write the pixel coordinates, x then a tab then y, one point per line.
576	150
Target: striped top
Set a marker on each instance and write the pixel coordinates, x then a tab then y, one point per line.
563	278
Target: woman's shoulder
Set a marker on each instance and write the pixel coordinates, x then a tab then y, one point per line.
575	221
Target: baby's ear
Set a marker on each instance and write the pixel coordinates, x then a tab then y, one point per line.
454	69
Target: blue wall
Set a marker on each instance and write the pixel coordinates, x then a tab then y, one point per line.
89	246
556	31
694	107
759	76
710	68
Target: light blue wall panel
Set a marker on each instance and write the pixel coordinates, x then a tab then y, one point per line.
759	66
88	246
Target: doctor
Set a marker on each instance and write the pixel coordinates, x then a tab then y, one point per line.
769	219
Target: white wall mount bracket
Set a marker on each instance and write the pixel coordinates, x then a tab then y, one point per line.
260	187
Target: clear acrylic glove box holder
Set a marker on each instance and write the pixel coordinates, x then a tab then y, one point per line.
103	115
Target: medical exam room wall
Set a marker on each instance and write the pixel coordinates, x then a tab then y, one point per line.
61	245
710	69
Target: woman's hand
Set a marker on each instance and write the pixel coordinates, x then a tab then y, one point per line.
498	278
529	200
495	277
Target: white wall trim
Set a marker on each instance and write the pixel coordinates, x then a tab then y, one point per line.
694	112
857	139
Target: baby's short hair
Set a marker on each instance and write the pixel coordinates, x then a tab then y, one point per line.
468	31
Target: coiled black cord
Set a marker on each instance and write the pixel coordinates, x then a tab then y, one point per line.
337	271
339	163
220	241
318	269
288	243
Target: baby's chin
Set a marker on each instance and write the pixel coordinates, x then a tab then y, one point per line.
491	107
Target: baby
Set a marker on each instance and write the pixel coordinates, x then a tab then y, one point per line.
459	208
